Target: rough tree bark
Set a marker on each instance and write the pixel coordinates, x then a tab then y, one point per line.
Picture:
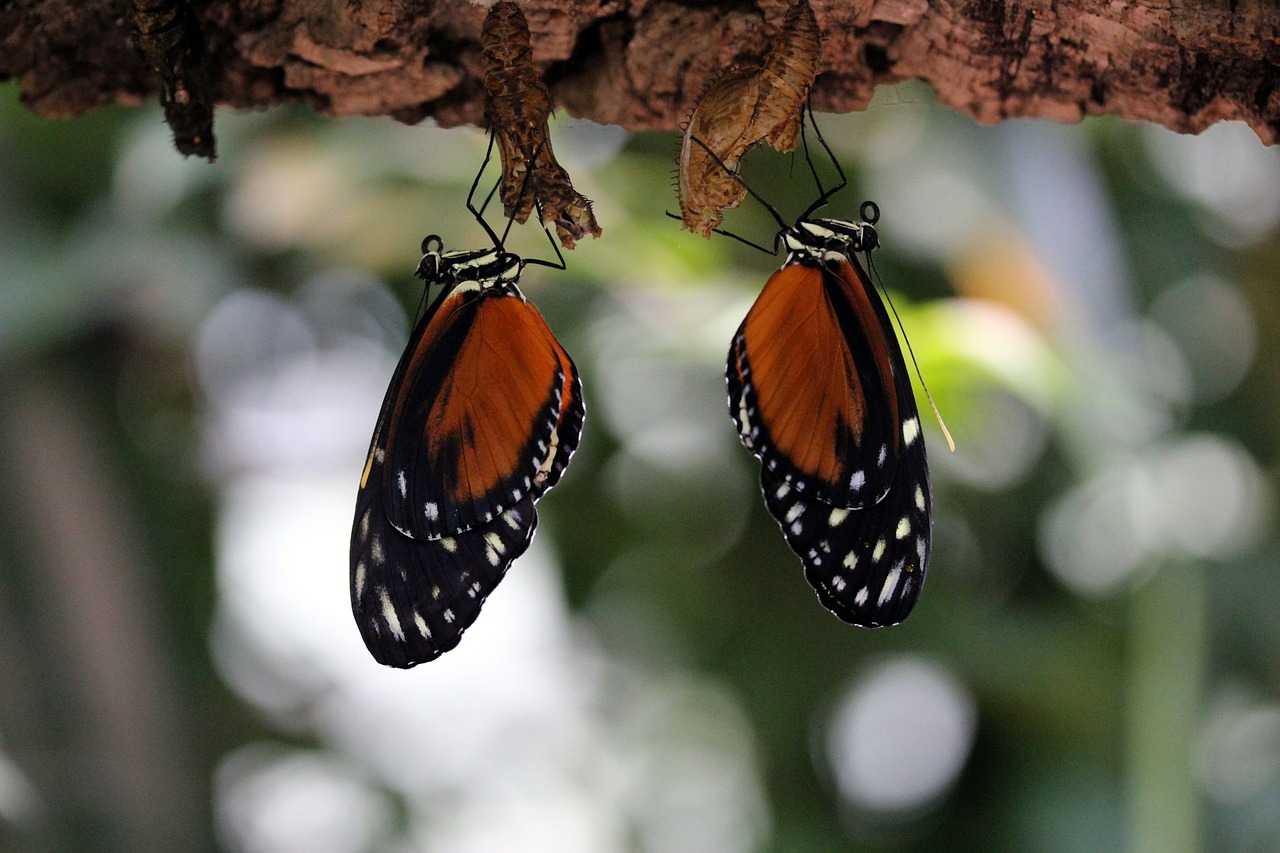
640	63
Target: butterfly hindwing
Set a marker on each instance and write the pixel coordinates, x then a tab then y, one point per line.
413	598
867	565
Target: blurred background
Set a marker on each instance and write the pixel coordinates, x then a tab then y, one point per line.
191	361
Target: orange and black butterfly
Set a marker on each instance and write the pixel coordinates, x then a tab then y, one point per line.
482	414
819	391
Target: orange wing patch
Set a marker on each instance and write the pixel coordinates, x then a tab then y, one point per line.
500	388
808	394
487	411
807	358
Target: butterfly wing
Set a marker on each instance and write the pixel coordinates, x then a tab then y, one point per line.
484	410
413	598
812	385
820	392
867	565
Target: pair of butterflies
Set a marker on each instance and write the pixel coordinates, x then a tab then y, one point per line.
485	407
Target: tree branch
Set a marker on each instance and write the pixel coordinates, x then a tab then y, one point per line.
1184	64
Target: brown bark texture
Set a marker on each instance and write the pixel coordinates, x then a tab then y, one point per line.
641	64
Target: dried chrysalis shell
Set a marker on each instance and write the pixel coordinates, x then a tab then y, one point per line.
720	122
168	36
788	74
742	108
517	107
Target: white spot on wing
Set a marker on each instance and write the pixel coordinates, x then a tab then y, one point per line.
544	470
884	454
449	544
495	542
910	431
879	551
402	484
850	560
837	517
431	510
858	480
389	613
890	585
919	498
360	574
376	553
421	625
904	528
794	512
861	598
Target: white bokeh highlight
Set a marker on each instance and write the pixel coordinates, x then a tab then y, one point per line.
527	736
1198	497
899	737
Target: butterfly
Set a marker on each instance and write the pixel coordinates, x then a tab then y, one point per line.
483	412
820	393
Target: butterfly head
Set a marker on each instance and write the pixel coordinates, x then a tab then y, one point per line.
817	240
485	268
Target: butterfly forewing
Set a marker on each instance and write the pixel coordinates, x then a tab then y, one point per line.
812	384
485	410
413	598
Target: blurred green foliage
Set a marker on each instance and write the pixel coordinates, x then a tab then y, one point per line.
1118	688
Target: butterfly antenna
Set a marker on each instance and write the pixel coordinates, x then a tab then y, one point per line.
946	433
